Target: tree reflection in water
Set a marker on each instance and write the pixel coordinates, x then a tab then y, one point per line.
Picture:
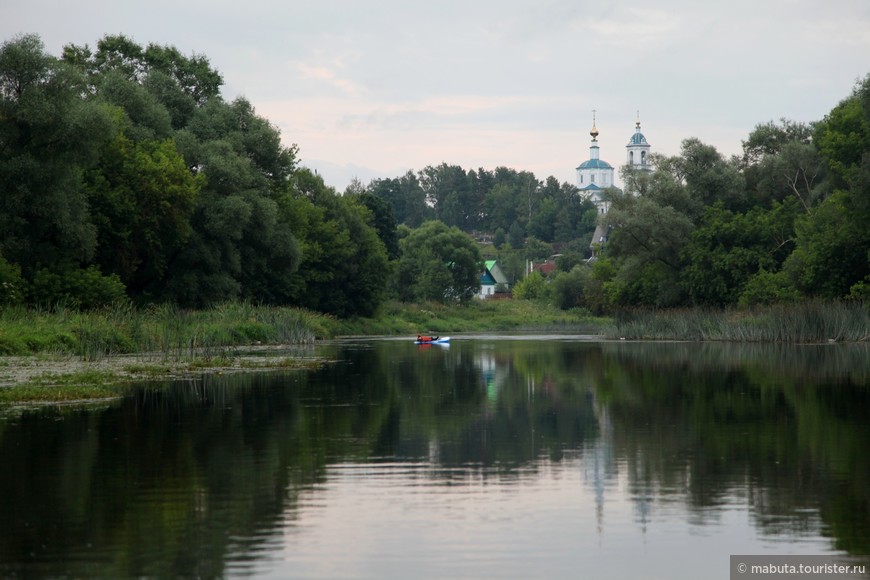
202	477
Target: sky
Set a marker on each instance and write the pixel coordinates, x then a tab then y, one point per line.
372	89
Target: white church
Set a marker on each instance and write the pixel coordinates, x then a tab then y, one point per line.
595	175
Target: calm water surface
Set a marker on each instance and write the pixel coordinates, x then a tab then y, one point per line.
495	457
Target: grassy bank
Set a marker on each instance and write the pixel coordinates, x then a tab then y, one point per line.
806	322
173	332
179	334
69	356
176	334
64	355
477	316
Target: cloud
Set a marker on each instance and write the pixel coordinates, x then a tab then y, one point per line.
633	28
329	77
394	85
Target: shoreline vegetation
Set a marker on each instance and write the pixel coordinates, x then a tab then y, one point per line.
65	355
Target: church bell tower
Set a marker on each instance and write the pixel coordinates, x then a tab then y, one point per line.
638	149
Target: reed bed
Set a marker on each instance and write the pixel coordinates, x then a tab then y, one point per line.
164	331
172	333
807	322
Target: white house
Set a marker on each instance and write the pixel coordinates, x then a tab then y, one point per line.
492	280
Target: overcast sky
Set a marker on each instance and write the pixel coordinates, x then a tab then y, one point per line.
375	88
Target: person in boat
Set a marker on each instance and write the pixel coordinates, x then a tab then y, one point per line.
423	338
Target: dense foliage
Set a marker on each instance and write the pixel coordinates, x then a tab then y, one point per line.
125	174
786	221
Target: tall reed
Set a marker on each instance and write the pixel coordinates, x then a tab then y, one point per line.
807	322
165	331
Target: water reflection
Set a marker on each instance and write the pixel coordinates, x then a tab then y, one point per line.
607	447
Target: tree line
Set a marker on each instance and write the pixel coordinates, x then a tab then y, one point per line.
785	221
125	175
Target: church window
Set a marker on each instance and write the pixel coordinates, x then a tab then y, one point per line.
631	157
643	157
592	178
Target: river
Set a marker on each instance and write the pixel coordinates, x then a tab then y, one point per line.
493	457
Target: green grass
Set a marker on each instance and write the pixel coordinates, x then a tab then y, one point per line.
170	331
60	388
476	316
173	334
807	322
179	341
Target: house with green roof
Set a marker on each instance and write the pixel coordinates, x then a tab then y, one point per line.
492	280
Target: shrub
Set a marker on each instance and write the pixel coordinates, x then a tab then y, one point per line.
12	285
568	288
767	288
532	287
77	288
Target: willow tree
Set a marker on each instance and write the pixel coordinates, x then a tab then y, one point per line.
438	263
48	136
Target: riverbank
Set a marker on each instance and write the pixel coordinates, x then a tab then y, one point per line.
68	356
179	333
61	355
56	378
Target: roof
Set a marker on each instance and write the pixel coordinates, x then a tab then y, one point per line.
492	270
590	187
595	164
637	139
545	268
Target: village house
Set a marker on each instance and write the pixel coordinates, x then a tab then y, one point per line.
492	280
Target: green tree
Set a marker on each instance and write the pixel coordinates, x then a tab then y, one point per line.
843	136
383	222
728	249
75	287
448	192
242	244
797	171
709	178
536	249
344	267
48	136
13	288
646	242
516	236
146	118
568	287
438	263
832	253
406	197
770	138
766	288
179	83
543	223
532	287
141	197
